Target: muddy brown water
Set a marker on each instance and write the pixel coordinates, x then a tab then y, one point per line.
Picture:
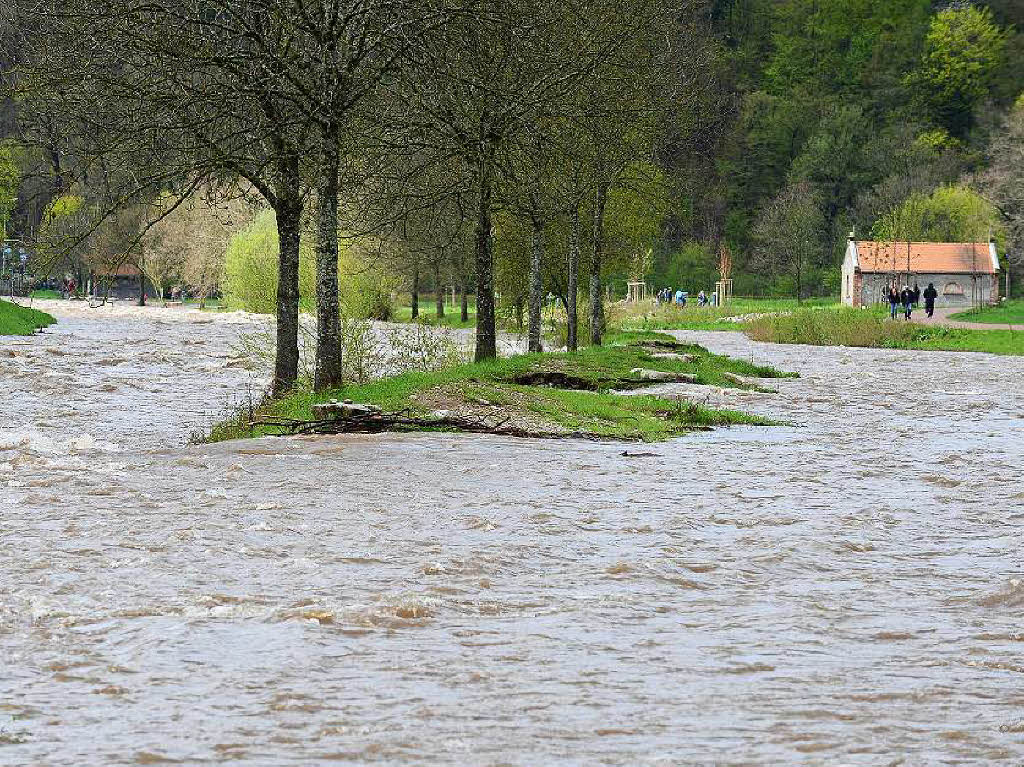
847	590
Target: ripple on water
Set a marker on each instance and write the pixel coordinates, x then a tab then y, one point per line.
821	594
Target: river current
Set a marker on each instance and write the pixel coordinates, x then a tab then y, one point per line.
844	590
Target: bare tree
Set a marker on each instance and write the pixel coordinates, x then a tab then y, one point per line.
789	233
492	69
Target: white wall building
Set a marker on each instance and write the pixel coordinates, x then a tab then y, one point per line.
963	273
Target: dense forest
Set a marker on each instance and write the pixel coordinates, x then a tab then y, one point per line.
838	113
508	150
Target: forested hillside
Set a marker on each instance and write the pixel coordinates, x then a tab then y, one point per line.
838	113
514	151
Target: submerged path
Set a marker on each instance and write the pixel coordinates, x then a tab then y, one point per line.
846	590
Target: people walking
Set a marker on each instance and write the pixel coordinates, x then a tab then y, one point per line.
930	294
908	297
894	300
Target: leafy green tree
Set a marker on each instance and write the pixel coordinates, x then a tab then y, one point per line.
839	46
964	51
10	182
949	214
251	273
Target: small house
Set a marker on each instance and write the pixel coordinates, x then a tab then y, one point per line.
963	273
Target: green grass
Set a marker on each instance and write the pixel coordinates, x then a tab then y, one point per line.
1006	313
46	294
589	408
854	327
692	317
452	316
18	320
211	305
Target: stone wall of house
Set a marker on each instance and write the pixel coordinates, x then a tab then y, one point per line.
955	290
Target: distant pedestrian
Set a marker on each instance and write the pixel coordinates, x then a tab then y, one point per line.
894	300
908	297
930	294
702	299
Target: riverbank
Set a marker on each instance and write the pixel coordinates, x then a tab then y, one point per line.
538	395
1006	313
666	317
873	328
17	320
822	322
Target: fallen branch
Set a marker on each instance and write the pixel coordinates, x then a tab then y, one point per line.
376	422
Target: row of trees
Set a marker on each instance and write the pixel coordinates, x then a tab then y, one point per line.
411	124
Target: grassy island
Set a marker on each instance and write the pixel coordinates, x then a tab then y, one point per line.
543	395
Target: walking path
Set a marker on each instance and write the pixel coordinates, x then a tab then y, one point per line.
942	317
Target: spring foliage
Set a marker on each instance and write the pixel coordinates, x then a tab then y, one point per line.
949	214
250	275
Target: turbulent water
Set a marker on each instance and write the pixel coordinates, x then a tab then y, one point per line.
844	590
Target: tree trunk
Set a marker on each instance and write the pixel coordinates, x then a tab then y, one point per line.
142	289
465	299
327	372
596	299
572	342
288	212
439	297
536	284
416	290
799	281
486	336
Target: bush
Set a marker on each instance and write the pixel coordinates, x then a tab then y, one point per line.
250	276
250	269
831	327
369	295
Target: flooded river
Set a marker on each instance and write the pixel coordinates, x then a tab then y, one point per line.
845	590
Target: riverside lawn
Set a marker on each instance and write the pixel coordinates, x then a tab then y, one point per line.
17	320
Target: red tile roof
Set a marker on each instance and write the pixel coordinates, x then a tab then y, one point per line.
122	270
925	257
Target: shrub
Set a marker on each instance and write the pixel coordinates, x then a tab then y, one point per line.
369	295
831	327
250	269
423	348
250	276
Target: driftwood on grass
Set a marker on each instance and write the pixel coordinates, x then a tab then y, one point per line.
378	421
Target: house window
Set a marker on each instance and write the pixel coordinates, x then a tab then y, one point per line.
953	289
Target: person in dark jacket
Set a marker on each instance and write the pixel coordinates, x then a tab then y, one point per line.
930	294
894	300
909	297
